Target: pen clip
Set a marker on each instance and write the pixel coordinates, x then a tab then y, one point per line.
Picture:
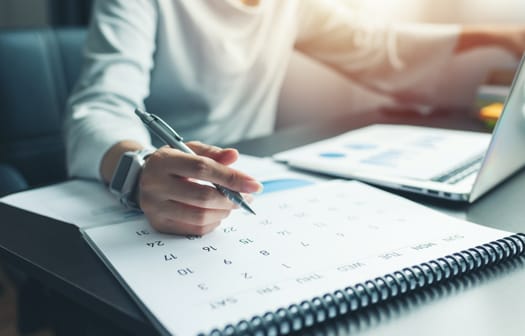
167	127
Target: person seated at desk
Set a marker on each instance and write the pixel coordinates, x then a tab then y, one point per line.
216	67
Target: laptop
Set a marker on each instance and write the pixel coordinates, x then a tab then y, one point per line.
450	164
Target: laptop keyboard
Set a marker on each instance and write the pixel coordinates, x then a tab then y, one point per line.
460	173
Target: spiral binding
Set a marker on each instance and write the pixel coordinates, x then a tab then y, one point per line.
361	295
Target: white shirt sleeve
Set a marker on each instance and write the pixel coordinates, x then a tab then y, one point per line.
118	59
401	59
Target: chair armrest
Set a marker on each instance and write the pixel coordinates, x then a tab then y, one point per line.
11	180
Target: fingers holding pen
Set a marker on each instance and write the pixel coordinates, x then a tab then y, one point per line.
207	169
174	202
226	156
180	189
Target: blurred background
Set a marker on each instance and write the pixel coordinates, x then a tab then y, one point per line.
23	13
447	11
42	13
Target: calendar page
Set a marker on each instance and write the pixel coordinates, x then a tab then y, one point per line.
303	243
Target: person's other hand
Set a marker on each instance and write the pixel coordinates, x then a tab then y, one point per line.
172	199
515	40
508	37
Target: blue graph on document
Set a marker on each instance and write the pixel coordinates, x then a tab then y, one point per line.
389	158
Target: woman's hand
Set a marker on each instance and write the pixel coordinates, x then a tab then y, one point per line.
172	199
513	39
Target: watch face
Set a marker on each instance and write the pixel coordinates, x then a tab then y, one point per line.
120	174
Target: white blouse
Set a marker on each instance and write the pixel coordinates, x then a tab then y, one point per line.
214	69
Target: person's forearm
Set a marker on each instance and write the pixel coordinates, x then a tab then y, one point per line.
112	156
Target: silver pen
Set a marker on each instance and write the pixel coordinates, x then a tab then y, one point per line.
174	140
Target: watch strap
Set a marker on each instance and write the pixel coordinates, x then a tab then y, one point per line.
125	180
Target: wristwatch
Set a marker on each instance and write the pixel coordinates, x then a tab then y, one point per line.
126	176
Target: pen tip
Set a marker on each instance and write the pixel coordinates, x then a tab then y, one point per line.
248	208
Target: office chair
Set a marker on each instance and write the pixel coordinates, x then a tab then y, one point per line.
38	68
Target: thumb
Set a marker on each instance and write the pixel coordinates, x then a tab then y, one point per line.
226	156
